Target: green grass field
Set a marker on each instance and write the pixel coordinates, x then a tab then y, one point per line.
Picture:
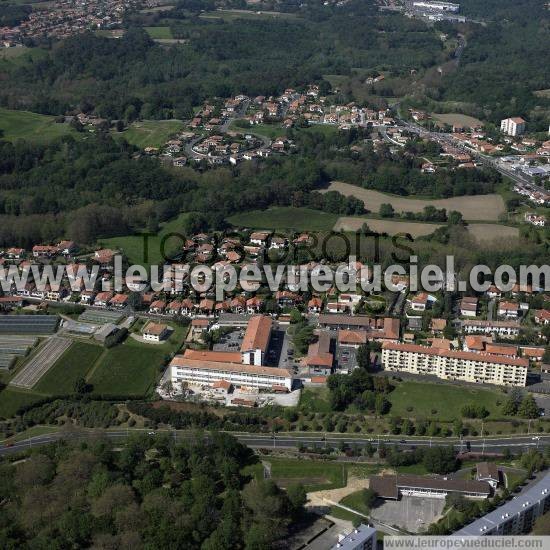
159	32
150	133
299	219
268	130
11	399
315	400
313	475
133	367
72	365
137	252
31	126
419	399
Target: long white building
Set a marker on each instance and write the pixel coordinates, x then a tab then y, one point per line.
200	372
455	365
506	329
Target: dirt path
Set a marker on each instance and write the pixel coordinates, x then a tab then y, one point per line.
319	498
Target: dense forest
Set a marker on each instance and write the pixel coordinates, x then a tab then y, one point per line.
151	493
135	77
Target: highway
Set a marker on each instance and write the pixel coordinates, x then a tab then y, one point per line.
288	441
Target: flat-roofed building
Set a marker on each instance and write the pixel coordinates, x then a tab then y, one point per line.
203	372
455	365
391	487
362	537
506	329
516	516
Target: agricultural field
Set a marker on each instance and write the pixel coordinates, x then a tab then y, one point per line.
439	400
73	365
41	362
11	399
132	368
487	232
133	246
150	133
473	208
457	119
230	15
162	33
287	218
391	227
31	126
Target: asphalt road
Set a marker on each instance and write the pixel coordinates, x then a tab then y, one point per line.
489	444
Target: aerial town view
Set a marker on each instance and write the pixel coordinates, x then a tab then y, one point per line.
274	274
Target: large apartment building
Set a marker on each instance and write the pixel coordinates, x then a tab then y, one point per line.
512	126
455	365
516	516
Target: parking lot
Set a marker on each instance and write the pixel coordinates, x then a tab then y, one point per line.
231	341
346	357
413	514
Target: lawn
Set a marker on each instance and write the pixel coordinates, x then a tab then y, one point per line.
315	400
12	399
150	133
133	367
419	399
73	364
137	252
159	32
270	131
314	475
31	126
299	219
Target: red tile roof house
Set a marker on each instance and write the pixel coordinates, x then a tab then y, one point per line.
119	300
254	305
238	304
87	296
66	247
315	305
44	251
542	316
174	307
259	238
103	299
508	309
319	359
15	253
352	338
187	307
104	257
468	306
206	307
285	298
221	307
157	307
